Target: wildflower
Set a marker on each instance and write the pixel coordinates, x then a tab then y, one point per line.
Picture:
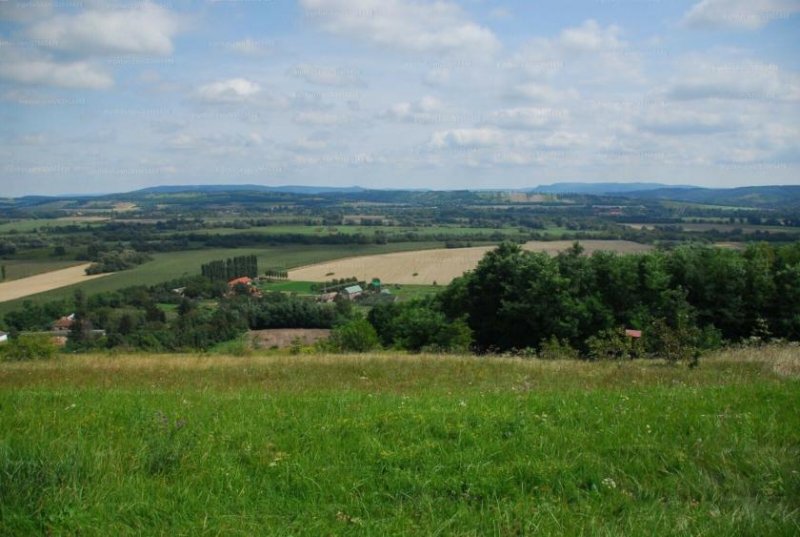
609	483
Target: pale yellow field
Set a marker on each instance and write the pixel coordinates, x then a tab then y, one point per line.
44	282
439	266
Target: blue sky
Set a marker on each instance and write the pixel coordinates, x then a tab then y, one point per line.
113	96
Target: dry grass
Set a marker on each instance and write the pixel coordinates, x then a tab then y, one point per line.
783	360
436	266
45	282
394	372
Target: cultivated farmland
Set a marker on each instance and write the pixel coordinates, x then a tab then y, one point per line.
45	282
435	266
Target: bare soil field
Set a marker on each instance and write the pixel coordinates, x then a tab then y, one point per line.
45	282
284	337
435	266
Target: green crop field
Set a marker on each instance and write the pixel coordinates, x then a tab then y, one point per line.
28	225
175	264
289	287
17	269
400	445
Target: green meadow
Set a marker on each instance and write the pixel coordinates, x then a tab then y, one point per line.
389	444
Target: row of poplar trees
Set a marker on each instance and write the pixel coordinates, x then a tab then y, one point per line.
231	268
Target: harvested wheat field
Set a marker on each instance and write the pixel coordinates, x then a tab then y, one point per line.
45	282
435	266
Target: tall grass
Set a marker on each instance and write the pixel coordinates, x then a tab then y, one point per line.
399	445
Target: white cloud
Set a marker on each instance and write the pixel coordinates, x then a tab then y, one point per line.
678	122
80	75
500	13
250	47
543	93
316	117
414	25
217	143
426	110
228	91
145	28
327	76
589	52
528	118
467	138
24	11
709	78
739	14
591	37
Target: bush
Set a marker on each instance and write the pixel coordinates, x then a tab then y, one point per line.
612	344
29	347
355	336
553	349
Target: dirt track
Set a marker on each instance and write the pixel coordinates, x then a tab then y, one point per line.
440	266
44	282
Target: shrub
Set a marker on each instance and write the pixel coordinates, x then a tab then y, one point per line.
612	344
355	336
553	349
29	347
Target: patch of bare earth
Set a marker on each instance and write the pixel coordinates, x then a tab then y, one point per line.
286	337
436	266
45	282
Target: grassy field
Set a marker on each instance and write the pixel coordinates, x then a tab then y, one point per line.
304	288
400	445
175	264
30	224
17	269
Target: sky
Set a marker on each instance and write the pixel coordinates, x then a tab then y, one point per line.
113	96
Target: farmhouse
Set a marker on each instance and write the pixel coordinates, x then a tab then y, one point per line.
247	282
352	292
240	281
64	323
327	297
3	337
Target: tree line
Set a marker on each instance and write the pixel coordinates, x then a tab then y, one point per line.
231	268
522	300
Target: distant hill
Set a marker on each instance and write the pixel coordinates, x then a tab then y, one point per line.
289	189
748	196
599	189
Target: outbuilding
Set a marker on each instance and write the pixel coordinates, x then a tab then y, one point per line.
352	292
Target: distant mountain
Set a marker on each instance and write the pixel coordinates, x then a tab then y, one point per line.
600	189
747	196
288	189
